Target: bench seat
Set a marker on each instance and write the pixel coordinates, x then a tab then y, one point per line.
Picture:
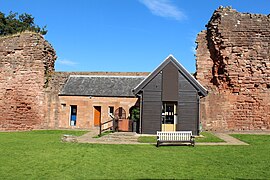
175	137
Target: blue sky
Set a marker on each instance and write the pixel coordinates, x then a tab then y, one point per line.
124	35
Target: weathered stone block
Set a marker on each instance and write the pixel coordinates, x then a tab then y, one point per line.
23	75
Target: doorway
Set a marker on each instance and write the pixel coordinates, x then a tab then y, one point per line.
73	115
97	115
169	116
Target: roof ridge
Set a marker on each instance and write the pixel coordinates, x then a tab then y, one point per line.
109	76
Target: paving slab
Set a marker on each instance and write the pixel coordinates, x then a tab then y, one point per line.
112	138
132	138
229	140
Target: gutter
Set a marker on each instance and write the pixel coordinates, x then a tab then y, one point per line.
140	128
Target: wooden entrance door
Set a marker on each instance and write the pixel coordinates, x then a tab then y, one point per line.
97	115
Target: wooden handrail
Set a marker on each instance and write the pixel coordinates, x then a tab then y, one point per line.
106	122
114	126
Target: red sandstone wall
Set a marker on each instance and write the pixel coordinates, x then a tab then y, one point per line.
85	113
26	62
233	64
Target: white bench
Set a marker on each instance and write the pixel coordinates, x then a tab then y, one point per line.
175	137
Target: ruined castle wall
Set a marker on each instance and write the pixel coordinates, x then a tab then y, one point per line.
233	64
26	63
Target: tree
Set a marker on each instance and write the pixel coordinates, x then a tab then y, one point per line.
13	23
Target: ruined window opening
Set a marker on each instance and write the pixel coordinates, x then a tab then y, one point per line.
73	115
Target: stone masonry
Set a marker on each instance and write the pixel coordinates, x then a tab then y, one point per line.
233	64
26	64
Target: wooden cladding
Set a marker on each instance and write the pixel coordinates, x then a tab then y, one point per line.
151	110
170	83
188	107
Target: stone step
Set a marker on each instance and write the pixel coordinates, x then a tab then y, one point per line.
117	140
120	137
123	134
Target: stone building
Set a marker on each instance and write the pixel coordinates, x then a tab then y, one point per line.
233	64
86	101
92	95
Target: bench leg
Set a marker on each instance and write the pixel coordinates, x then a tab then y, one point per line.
157	144
192	140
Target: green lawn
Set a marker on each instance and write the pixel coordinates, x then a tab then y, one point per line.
207	137
41	155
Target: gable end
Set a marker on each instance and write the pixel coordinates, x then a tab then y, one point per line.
202	91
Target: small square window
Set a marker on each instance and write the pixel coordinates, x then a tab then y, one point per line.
63	106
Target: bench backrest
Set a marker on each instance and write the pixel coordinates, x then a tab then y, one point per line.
174	135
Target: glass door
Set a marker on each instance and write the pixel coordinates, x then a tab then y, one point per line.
169	116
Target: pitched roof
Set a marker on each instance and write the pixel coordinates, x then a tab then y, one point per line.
110	86
186	74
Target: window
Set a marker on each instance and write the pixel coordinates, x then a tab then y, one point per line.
120	112
73	115
169	112
111	110
63	106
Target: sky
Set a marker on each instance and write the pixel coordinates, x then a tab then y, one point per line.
124	35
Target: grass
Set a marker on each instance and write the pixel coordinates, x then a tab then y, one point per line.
207	137
41	155
147	139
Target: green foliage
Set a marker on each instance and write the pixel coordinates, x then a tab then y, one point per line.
208	137
14	23
135	114
147	139
42	155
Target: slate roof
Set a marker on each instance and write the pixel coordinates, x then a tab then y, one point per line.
110	86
